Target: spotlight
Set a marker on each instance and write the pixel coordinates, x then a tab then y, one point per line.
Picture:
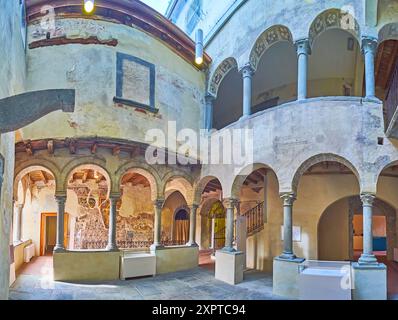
199	47
88	6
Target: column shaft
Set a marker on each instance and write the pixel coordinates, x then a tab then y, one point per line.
209	112
112	244
157	232
367	256
18	223
192	226
60	199
288	200
369	47
247	74
303	50
229	226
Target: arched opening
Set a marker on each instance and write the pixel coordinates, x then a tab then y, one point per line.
212	219
323	181
175	225
387	185
386	71
135	211
34	221
88	205
257	191
226	85
336	66
275	78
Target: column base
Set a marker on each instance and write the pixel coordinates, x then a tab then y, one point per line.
191	244
156	246
228	249
289	257
112	248
244	117
229	266
285	277
59	249
367	259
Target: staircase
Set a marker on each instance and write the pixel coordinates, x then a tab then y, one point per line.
254	224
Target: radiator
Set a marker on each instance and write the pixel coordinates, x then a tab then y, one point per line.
28	252
137	265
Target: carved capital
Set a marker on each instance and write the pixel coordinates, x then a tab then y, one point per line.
209	98
367	199
60	199
158	203
194	207
247	71
114	196
303	47
288	199
230	203
369	45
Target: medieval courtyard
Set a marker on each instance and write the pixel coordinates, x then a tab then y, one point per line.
198	150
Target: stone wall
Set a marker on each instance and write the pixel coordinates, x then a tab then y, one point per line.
12	75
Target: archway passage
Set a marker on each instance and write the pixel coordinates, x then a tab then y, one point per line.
181	226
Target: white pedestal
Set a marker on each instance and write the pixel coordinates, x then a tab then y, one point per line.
229	266
137	265
370	282
285	278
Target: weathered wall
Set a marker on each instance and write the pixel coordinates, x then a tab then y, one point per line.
12	75
91	70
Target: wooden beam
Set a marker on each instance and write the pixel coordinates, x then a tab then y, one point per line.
94	148
50	146
28	148
43	176
116	150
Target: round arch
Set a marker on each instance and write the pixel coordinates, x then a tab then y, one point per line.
266	40
30	166
69	170
334	19
201	185
388	32
151	176
218	75
244	173
330	157
181	183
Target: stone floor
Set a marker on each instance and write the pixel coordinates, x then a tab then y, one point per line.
197	284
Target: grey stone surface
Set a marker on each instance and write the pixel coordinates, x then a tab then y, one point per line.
195	284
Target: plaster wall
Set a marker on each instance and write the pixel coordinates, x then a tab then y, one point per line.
12	81
91	70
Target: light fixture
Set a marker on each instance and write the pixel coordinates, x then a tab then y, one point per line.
89	6
199	47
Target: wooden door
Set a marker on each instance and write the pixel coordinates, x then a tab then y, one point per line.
43	228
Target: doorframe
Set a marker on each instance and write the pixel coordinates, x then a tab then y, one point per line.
43	222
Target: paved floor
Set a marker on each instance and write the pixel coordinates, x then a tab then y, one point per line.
197	284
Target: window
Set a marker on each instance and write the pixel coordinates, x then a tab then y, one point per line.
135	82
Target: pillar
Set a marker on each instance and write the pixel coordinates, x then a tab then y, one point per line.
247	74
303	51
18	223
229	205
112	245
192	226
367	256
209	100
369	47
288	200
60	199
157	236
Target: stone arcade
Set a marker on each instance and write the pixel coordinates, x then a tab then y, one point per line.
315	82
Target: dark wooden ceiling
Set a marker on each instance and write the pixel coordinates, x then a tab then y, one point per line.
386	59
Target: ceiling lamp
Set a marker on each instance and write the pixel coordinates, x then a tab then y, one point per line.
89	6
199	47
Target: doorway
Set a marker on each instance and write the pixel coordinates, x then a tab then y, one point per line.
48	232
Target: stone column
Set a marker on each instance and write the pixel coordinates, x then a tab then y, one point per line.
288	200
112	245
367	256
303	51
157	231
229	225
369	47
209	99
18	223
192	226
247	74
60	199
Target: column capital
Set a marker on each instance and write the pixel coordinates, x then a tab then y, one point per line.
209	98
60	198
230	203
247	70
369	44
158	203
194	206
288	198
115	195
367	199
303	46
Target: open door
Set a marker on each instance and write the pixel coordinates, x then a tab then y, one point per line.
47	230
